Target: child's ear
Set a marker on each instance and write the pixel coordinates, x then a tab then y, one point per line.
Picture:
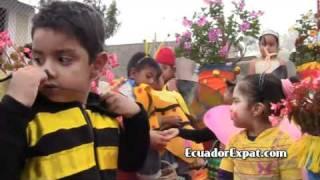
258	109
132	73
98	65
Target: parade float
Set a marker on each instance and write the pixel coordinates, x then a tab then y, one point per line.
307	54
215	42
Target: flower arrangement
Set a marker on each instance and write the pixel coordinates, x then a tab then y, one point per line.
308	40
11	57
302	105
210	35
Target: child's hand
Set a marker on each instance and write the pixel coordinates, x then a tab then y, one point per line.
158	140
25	83
120	104
171	133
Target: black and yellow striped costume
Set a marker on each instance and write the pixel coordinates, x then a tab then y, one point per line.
66	141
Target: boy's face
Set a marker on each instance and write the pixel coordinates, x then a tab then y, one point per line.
168	72
67	65
147	75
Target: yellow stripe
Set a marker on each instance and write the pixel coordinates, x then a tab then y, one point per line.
100	121
69	162
46	123
108	157
61	164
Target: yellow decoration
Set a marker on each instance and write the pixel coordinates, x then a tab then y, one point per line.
313	33
216	73
3	85
310	46
237	70
310	66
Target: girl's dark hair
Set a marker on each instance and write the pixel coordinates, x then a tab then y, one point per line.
262	39
140	60
262	88
75	19
230	85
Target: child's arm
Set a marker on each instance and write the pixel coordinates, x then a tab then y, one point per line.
134	137
13	141
134	141
15	111
201	135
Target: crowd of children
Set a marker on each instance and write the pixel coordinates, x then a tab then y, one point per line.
53	127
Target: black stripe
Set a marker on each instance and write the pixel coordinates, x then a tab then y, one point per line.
91	173
60	140
108	174
107	137
165	108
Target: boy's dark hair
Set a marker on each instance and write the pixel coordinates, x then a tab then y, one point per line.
262	88
75	19
140	60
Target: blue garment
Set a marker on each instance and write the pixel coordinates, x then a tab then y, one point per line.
313	176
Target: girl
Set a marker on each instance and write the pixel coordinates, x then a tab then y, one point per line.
269	61
250	110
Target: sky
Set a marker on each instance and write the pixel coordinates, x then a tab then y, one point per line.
150	19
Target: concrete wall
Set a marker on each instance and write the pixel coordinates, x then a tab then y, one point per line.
18	20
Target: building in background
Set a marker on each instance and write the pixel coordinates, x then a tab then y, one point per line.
126	51
15	17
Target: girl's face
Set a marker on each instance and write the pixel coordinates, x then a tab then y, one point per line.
147	75
270	43
241	113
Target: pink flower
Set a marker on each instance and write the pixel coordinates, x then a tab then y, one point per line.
186	22
113	60
214	34
274	106
255	14
274	120
202	21
223	52
187	35
178	38
239	5
94	87
109	76
245	26
213	2
187	46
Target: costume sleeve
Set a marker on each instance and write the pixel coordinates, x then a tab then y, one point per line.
13	121
134	142
289	168
227	162
198	136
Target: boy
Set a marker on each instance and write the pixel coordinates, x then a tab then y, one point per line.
167	61
63	131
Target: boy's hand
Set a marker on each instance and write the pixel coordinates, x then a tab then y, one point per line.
25	83
120	104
